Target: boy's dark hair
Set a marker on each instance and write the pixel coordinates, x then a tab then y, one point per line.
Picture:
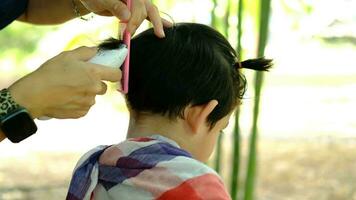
192	65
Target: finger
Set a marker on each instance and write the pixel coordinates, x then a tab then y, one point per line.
105	73
122	29
138	14
62	115
68	113
76	114
167	23
97	88
119	87
118	9
103	89
153	15
105	13
84	102
83	53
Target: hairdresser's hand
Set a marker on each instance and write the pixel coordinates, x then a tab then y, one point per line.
140	10
64	86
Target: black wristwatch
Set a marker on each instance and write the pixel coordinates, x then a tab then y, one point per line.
15	121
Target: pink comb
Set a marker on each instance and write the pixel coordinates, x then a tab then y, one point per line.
126	65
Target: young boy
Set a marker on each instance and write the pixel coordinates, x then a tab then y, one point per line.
183	90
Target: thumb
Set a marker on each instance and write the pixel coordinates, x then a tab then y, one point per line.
107	73
83	53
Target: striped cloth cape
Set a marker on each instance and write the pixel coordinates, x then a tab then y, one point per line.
144	168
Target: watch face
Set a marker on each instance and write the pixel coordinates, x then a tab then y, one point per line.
18	126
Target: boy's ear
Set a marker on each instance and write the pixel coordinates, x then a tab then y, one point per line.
197	116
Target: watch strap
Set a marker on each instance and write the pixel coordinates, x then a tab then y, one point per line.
15	121
7	104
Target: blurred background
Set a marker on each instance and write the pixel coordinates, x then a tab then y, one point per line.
294	136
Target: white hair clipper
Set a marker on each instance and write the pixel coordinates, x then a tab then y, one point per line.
112	58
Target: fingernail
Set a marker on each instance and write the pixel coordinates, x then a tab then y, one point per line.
122	29
169	25
162	33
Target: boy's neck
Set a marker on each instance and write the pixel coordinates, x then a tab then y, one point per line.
145	126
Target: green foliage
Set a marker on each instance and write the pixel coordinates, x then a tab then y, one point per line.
22	37
19	41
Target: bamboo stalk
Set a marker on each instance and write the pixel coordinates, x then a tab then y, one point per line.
252	159
226	19
219	148
236	159
212	14
217	164
234	190
217	161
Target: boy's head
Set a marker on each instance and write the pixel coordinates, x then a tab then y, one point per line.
192	75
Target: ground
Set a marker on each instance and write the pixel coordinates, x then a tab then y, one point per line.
322	169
